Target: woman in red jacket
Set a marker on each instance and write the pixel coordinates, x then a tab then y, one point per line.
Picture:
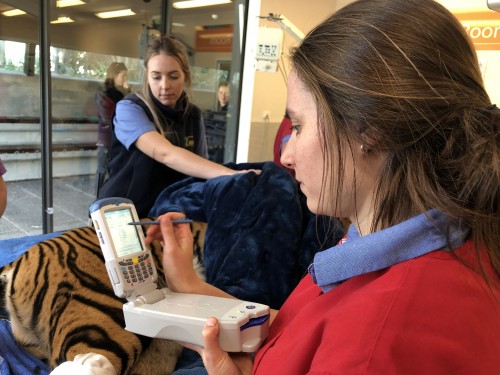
393	129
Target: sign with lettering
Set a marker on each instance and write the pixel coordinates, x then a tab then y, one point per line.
483	28
214	39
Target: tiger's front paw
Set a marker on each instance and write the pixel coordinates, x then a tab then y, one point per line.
86	364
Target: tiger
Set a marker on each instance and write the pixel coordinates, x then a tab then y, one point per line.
61	304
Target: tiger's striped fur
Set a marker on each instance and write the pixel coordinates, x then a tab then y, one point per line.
61	304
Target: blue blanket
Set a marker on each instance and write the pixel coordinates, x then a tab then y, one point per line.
260	237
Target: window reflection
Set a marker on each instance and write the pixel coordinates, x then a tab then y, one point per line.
80	53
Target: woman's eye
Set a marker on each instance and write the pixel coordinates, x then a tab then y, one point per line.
174	78
295	128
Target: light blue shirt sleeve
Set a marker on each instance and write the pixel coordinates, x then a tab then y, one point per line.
130	122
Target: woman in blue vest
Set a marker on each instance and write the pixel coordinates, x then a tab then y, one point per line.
159	135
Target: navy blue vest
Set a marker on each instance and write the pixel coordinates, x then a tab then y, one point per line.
138	177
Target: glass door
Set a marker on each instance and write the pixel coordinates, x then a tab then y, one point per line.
211	34
84	45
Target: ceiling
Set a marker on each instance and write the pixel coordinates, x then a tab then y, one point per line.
144	9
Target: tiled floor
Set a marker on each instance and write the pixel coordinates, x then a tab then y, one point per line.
72	197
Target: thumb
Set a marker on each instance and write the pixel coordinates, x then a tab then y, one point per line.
213	351
211	334
216	360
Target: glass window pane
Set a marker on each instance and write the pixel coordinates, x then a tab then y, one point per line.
80	54
20	126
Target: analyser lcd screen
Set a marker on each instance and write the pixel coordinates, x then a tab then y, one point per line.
124	236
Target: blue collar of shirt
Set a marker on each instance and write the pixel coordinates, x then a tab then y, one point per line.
362	254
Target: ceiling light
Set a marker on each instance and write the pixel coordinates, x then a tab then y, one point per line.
13	12
198	3
115	13
68	3
62	20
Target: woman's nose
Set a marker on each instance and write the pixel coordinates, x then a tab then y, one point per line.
286	157
165	83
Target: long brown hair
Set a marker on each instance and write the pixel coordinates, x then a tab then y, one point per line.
165	45
402	77
112	72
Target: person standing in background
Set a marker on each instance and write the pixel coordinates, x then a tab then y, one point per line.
3	189
223	95
158	135
114	89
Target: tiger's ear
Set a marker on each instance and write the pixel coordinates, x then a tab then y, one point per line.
199	230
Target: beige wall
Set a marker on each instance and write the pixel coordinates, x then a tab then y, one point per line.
270	88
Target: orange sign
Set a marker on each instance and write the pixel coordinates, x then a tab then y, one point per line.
483	28
218	39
